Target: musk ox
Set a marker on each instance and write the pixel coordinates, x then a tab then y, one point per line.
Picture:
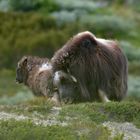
99	66
36	73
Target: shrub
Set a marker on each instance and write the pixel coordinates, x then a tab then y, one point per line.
134	68
4	5
31	34
134	86
49	6
21	96
108	26
22	34
87	5
32	5
65	16
23	5
8	86
131	52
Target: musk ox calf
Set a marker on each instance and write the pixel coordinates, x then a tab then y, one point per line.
99	66
36	73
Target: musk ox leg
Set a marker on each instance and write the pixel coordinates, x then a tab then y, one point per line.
102	96
55	99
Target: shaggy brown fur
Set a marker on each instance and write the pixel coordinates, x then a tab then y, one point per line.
36	73
97	64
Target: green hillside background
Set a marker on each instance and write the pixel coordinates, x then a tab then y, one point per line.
40	27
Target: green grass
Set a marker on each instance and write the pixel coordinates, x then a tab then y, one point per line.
134	68
10	91
99	112
20	96
8	84
83	121
84	112
26	130
30	108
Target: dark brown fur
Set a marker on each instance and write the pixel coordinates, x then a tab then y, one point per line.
96	64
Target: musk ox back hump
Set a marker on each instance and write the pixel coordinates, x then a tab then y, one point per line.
96	64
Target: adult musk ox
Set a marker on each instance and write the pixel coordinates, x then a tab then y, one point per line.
99	66
36	73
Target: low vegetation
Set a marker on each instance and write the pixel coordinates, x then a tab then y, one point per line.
27	130
40	120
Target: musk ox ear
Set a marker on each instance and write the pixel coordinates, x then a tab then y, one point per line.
87	43
24	61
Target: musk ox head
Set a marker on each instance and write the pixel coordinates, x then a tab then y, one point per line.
67	87
27	65
35	72
22	70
